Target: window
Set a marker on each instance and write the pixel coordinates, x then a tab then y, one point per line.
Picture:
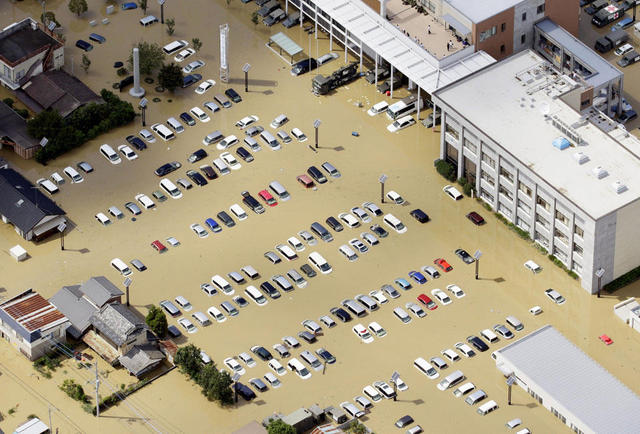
524	16
503	27
559	254
502	48
504	210
578	231
504	172
490	161
577	268
505	192
543	203
522	224
485	195
577	249
559	235
540	9
451	130
542	221
524	188
523	38
524	207
470	146
488	33
484	175
562	218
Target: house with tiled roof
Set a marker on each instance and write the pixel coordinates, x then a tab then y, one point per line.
31	324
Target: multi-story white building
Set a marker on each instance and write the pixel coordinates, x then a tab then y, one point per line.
539	154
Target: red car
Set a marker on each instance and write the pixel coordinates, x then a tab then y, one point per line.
606	339
475	218
159	246
431	305
268	199
446	267
306	181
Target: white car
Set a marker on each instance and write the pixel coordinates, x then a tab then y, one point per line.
554	296
378	296
441	296
535	310
230	160
247	359
377	329
205	86
184	54
452	192
187	325
216	314
401	124
233	364
465	349
450	354
196	64
287	252
456	290
358	245
173	241
73	175
378	108
199	230
401	385
200	114
372	208
277	367
298	134
349	219
530	265
395	197
145	201
362	333
296	244
308	238
362	214
127	152
246	121
415	309
272	380
146	134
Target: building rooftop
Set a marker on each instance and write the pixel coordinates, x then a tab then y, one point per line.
518	106
478	11
14	126
117	322
29	314
20	40
574	380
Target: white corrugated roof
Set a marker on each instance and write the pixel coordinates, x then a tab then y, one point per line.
405	55
575	381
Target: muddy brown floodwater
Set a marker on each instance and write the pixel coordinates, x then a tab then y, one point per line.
172	403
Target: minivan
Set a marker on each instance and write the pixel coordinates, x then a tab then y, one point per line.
221	166
331	170
476	397
183	303
297	367
222	284
252	144
170	308
55	177
297	278
175	124
49	186
348	252
213	137
395	223
402	315
487	408
451	380
464	389
354	307
515	323
282	282
174	46
148	20
279	190
170	188
268	138
222	100
489	335
75	177
320	263
255	295
119	265
238	211
201	318
321	232
164	132
111	155
279	121
312	360
372	393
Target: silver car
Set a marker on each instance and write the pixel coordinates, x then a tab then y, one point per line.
308	238
361	214
271	256
390	290
369	238
415	309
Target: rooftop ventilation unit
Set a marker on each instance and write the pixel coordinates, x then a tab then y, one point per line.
600	172
561	143
581	157
618	187
566	130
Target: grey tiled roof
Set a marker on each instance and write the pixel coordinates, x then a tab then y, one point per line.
141	358
99	290
117	323
70	302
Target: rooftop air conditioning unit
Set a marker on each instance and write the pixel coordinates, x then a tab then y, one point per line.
618	187
600	172
581	157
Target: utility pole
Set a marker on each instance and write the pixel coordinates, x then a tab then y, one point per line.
382	179
97	398
50	425
127	283
477	255
316	124
510	380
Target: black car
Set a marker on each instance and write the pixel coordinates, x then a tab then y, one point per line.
307	336
244	154
252	203
197	156
165	169
341	314
315	173
127	81
466	257
196	178
209	172
326	355
334	223
244	391
262	352
595	7
188	119
84	45
226	219
270	290
173	331
258	384
136	142
241	301
191	79
478	343
303	66
233	95
419	215
404	421
306	269
379	230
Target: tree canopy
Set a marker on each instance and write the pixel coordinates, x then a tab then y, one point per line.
151	57
157	321
170	76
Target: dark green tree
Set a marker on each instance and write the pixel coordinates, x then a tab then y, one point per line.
197	44
188	360
47	123
151	57
171	25
255	18
143	6
78	6
157	321
49	17
216	385
170	76
86	63
277	426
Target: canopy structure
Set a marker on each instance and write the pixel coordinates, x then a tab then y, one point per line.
284	43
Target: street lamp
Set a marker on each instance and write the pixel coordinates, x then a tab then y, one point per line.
127	283
161	3
143	106
477	255
246	69
599	274
61	228
394	378
382	180
316	124
510	380
235	379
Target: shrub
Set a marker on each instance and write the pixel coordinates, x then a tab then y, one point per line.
467	189
8	101
122	72
157	321
624	280
278	426
446	169
74	390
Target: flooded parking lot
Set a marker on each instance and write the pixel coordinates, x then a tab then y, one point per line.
172	403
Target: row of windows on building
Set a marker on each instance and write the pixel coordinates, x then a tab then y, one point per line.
493	30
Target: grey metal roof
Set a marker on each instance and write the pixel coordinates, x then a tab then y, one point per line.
478	11
604	71
117	322
575	381
141	358
286	44
70	302
99	290
14	126
24	206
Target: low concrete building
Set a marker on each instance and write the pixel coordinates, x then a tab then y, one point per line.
32	324
567	382
629	312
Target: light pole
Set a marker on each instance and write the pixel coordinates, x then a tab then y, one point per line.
599	274
316	124
382	180
235	379
510	380
61	228
127	283
143	106
161	3
477	255
394	377
246	69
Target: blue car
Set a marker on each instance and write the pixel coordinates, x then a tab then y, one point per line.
418	277
213	225
97	38
622	24
403	283
129	5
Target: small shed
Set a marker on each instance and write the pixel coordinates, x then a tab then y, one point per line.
18	252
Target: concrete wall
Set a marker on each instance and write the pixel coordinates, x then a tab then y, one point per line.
627	239
492	45
37	349
524	27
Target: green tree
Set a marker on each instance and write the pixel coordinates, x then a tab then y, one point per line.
171	25
86	63
216	385
157	321
143	6
277	426
255	18
49	17
151	57
78	6
74	390
170	76
357	428
47	123
197	44
188	359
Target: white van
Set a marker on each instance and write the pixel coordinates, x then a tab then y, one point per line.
279	121
111	155
312	360
489	335
148	20
279	190
372	393
119	265
378	108
425	367
348	252
451	380
515	323
395	223
238	211
476	397
402	315
453	192
255	295
174	46
296	366
55	177
175	124
215	313
320	263
165	133
464	389
404	107
227	142
170	188
103	219
222	284
73	174
221	166
201	318
49	186
487	408
270	140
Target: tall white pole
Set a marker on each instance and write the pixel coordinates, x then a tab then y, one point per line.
136	91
